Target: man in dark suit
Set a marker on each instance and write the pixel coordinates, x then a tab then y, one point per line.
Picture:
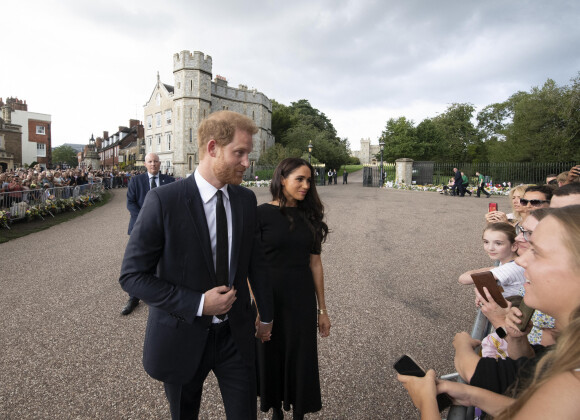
138	189
457	188
200	317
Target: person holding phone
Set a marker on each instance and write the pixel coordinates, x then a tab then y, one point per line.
499	241
553	286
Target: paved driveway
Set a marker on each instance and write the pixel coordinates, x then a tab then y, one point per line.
391	265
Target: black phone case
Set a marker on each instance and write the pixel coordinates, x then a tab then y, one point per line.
407	366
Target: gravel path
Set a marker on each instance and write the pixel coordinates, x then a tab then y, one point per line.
391	265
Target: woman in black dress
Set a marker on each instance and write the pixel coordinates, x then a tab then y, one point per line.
292	231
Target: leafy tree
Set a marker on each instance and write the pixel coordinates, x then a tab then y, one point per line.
297	125
542	125
431	137
64	154
459	134
400	138
276	154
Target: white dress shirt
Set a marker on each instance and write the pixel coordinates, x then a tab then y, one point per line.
208	195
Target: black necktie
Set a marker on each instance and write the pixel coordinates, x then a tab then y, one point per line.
221	252
153	184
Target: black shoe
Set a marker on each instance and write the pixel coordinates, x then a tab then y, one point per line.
131	304
277	414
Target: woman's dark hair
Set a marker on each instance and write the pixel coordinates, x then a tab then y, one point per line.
311	206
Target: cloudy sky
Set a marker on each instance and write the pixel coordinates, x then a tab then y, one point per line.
92	65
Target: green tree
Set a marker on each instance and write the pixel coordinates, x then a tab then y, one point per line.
461	138
64	154
431	137
542	125
400	140
295	126
276	154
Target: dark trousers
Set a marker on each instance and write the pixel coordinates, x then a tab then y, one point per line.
237	381
481	189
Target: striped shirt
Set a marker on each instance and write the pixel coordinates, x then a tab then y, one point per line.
510	276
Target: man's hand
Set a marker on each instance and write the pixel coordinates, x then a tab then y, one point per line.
219	300
263	331
423	392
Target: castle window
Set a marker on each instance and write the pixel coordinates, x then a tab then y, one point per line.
158	99
158	139
191	85
40	129
190	163
149	140
168	116
168	138
149	121
190	135
158	119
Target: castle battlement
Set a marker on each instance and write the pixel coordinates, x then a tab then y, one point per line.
241	94
196	60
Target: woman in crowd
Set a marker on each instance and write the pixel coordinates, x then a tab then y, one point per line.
515	217
292	231
552	267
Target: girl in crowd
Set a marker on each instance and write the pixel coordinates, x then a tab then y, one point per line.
292	231
552	267
499	243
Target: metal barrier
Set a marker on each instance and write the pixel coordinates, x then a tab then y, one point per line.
47	201
481	328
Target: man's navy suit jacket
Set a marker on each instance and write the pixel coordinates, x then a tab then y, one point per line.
168	263
139	186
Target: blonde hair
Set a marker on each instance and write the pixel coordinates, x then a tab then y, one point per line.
520	189
566	355
221	126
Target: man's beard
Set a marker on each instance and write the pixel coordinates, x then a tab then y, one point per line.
226	174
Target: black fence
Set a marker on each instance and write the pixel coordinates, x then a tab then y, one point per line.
434	173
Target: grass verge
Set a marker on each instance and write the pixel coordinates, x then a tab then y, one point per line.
22	228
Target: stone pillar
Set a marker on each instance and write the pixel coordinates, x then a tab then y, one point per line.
404	171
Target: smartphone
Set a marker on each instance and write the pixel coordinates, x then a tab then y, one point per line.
407	366
493	207
487	279
527	314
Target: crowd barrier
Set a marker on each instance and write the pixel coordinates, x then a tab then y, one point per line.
20	204
481	328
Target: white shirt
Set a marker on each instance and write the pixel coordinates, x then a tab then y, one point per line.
209	199
156	180
511	277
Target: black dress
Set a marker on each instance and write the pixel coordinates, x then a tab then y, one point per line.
288	363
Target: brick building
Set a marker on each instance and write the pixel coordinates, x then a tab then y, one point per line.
35	130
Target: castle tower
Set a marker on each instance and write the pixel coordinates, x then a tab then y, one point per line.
192	103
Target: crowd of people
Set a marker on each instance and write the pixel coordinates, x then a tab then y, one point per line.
522	371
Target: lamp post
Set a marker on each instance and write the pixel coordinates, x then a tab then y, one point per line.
310	152
382	147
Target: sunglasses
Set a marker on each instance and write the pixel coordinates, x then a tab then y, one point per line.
534	203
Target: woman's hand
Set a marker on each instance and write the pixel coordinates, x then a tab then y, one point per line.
324	325
496	217
513	321
495	313
423	391
464	341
